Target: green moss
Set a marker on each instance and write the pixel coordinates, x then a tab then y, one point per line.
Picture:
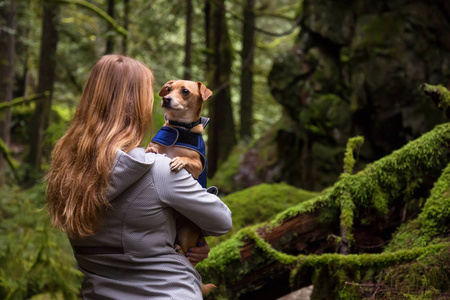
426	278
259	204
440	92
303	207
353	144
346	219
435	218
372	189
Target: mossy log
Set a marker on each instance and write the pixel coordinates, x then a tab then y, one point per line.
305	238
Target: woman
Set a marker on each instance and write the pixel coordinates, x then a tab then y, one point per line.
117	203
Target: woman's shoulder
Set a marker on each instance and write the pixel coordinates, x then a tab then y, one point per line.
128	168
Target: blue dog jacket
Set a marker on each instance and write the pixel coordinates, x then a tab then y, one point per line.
179	137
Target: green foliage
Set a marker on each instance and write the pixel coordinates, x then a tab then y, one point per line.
34	257
61	116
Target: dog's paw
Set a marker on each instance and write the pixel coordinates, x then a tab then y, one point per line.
179	250
177	164
151	149
207	288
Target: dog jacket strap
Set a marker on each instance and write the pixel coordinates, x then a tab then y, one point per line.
166	136
169	136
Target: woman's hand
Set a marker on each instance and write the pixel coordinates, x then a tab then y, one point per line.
198	254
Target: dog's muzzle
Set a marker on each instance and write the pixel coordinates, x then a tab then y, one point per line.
166	102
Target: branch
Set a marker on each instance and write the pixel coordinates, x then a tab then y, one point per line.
276	34
7	155
273	15
22	100
100	13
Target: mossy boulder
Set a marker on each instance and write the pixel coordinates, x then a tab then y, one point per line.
355	70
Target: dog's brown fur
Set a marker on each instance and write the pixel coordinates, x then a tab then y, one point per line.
183	102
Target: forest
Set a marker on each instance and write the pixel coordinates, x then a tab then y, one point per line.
329	137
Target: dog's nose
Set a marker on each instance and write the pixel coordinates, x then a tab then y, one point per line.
166	100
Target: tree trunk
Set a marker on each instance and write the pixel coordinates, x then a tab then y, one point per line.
207	14
47	65
221	133
247	54
126	22
110	38
188	43
7	56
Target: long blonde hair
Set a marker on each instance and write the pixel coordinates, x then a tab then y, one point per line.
115	112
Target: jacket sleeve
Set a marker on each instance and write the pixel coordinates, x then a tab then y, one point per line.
183	193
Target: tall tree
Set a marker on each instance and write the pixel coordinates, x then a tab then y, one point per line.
221	132
47	66
7	55
207	14
110	37
247	54
188	43
126	22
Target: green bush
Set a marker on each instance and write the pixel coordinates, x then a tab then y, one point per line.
34	257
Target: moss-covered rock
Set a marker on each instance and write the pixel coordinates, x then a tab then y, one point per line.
259	204
354	70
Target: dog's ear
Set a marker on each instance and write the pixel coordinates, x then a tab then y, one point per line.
204	91
164	90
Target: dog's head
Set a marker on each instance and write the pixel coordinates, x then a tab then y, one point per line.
183	99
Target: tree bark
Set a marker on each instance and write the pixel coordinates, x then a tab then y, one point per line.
221	132
110	39
7	56
47	65
207	14
247	55
188	43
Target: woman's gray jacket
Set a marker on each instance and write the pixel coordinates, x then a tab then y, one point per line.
132	254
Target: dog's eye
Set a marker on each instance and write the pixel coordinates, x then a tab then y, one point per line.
185	92
169	89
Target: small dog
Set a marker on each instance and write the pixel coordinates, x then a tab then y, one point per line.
180	139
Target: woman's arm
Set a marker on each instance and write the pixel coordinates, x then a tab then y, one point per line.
183	193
